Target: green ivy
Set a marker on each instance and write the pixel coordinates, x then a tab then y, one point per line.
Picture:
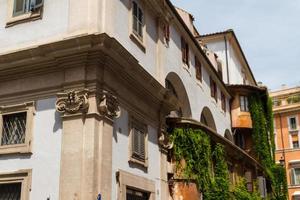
204	163
263	137
240	192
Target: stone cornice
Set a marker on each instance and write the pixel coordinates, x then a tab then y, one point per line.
95	57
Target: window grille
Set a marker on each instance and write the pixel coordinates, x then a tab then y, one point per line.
132	194
13	130
11	191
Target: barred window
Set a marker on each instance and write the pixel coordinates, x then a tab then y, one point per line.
132	194
13	128
10	191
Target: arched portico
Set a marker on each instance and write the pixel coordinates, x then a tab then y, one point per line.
207	118
175	85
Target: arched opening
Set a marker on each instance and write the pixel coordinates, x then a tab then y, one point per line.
207	118
176	87
228	135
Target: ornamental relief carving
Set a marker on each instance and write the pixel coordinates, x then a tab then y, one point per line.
72	102
164	140
109	105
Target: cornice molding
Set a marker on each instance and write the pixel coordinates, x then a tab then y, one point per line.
72	102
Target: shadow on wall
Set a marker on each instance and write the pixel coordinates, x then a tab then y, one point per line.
176	87
207	118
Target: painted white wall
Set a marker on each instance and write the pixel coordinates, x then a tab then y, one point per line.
45	159
120	154
234	65
51	27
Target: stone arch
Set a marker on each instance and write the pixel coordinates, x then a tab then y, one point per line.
228	135
175	85
207	118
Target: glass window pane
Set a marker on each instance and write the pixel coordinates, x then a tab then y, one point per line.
19	6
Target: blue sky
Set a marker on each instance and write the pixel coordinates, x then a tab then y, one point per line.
268	31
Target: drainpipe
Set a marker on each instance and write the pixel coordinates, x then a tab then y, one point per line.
226	55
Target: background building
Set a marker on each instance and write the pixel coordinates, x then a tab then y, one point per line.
286	108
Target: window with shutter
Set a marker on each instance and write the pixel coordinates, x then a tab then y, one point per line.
138	142
198	69
213	89
185	51
167	32
223	102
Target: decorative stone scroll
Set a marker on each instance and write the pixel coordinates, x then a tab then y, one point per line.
164	140
72	102
109	105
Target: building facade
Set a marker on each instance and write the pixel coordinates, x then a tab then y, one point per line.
286	108
85	88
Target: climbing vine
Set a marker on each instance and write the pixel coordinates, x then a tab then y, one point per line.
263	136
198	160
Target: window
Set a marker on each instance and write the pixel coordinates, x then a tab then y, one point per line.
213	89
15	186
295	176
198	69
239	140
25	6
139	139
137	20
23	11
133	187
292	123
244	104
223	102
167	32
185	51
15	128
295	140
133	194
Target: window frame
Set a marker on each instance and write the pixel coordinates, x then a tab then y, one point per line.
213	89
289	123
293	175
22	176
245	107
18	18
133	158
223	102
198	67
26	147
128	180
185	52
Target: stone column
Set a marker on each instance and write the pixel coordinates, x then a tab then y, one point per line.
86	160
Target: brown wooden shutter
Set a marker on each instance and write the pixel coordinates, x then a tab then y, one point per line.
183	50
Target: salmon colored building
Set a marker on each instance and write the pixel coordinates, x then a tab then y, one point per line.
286	108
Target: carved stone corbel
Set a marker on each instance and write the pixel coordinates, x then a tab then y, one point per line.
72	101
108	105
164	140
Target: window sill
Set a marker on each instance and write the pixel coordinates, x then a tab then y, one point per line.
27	17
16	149
139	162
138	42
